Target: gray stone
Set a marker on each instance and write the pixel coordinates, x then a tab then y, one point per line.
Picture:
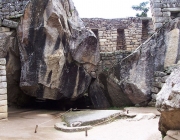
3	85
3	97
159	74
67	52
166	14
3	91
3	116
168	101
3	102
155	90
158	84
2	67
2	61
10	23
171	9
4	29
3	79
172	48
163	79
154	96
2	72
3	109
157	25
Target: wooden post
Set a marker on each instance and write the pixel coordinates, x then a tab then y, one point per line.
86	133
36	129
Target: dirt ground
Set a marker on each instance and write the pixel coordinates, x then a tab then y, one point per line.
21	126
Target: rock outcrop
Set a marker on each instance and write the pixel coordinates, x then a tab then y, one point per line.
58	54
130	81
168	102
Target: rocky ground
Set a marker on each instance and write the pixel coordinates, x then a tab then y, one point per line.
21	126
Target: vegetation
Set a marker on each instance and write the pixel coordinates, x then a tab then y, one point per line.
141	7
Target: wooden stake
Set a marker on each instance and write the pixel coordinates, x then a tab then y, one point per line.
36	129
86	133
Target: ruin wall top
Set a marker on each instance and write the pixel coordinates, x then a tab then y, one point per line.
163	11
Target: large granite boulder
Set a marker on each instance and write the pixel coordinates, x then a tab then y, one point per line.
168	103
58	54
129	82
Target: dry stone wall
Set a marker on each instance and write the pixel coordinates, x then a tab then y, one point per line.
109	59
3	89
163	11
120	34
10	11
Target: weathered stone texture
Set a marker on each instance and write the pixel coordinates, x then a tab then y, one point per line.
137	78
120	34
58	54
168	102
163	11
3	90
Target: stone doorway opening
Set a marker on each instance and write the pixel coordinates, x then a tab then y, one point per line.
145	30
121	42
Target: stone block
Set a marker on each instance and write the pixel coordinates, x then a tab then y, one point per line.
157	14
4	29
176	9
3	91
163	79
157	25
2	67
3	97
156	1
157	5
166	14
102	40
161	19
2	61
3	109
154	96
158	84
3	79
155	90
172	48
3	102
2	72
9	23
156	10
3	115
159	74
3	85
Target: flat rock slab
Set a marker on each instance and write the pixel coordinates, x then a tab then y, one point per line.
138	110
63	127
90	117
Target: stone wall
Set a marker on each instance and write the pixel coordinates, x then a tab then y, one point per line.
10	11
163	11
109	59
120	34
3	89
